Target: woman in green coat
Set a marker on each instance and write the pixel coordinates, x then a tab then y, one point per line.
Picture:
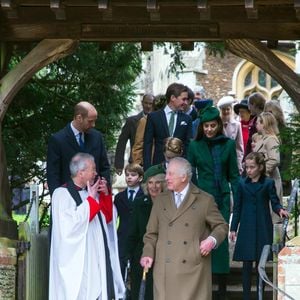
214	159
154	178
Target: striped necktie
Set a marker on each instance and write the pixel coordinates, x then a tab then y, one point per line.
171	123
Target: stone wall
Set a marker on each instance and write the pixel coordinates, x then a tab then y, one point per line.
8	261
218	80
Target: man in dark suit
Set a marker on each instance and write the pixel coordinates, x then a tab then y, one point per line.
170	121
128	132
78	136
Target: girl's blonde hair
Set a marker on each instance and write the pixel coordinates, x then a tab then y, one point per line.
173	147
269	122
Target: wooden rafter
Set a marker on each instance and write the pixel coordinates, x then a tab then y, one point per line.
10	7
251	9
204	9
153	9
261	19
58	8
297	8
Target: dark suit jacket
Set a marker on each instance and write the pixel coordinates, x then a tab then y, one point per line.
62	146
157	131
124	208
127	133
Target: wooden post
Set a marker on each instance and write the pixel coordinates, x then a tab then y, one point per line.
46	52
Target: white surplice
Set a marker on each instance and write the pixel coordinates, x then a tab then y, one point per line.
77	255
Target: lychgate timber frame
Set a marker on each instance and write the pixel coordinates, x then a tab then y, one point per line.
149	20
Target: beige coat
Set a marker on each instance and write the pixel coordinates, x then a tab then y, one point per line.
269	146
172	240
138	146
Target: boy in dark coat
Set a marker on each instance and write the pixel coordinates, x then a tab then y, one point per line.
124	204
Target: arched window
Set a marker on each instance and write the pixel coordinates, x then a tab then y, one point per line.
249	78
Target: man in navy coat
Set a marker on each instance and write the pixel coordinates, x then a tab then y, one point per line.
78	136
158	126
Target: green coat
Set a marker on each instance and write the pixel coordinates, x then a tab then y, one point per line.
137	227
200	157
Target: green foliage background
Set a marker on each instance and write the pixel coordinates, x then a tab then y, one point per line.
45	104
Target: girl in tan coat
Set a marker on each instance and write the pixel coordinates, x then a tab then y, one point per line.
269	146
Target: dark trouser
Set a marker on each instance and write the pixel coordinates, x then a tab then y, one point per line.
247	274
222	285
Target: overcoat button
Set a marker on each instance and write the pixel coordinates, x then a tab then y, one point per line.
193	207
170	224
184	261
169	242
186	224
185	242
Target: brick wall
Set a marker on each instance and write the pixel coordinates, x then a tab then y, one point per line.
218	81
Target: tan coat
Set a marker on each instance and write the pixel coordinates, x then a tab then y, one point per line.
269	146
138	146
172	239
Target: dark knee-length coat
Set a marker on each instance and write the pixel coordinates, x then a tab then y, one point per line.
251	212
200	157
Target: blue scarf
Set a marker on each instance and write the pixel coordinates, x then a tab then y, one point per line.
215	147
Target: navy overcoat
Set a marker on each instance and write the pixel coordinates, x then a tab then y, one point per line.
251	213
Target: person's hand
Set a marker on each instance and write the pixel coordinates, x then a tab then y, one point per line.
93	189
283	213
146	262
119	171
206	246
103	186
232	236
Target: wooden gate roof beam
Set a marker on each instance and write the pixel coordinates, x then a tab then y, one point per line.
10	7
204	9
153	9
58	8
297	8
251	9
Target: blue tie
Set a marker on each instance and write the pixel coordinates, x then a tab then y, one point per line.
81	143
131	193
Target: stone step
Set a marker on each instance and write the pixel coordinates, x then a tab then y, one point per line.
236	293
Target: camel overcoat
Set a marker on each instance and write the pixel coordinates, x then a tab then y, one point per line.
172	239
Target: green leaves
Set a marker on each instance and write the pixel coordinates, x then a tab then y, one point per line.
45	104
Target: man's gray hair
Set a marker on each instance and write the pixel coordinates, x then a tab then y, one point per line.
79	163
185	167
